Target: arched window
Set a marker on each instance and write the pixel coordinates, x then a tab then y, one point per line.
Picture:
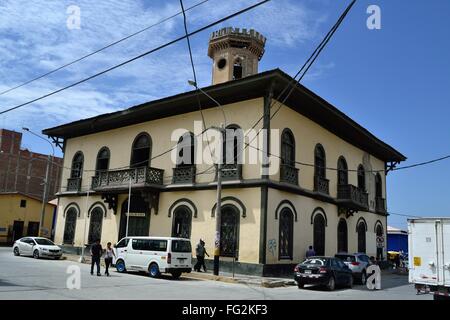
319	161
319	234
286	235
102	164
342	241
361	178
140	154
342	172
237	69
233	145
361	237
186	150
77	165
287	148
95	226
379	232
181	226
378	186
139	220
70	225
229	231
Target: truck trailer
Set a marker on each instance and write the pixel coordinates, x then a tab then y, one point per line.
429	255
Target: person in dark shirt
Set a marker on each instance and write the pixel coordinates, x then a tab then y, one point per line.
96	253
310	252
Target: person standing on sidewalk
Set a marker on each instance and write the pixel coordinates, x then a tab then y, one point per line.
96	253
310	252
109	254
200	252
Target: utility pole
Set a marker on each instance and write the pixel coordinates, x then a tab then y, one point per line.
44	196
81	260
219	201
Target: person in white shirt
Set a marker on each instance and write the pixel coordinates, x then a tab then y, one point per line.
109	254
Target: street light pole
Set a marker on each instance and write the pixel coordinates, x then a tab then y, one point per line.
46	182
219	202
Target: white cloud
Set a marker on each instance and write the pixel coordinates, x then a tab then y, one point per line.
34	39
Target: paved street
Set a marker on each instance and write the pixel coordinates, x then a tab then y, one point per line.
27	278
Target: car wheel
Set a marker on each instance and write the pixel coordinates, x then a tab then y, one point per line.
331	284
16	251
36	254
363	279
176	275
153	270
350	282
300	285
57	258
120	266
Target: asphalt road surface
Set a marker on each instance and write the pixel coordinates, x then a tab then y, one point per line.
27	278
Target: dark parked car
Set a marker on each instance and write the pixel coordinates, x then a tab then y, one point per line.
326	271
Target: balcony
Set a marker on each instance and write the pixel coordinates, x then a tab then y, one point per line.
353	197
231	171
321	185
74	184
118	180
380	205
184	174
289	174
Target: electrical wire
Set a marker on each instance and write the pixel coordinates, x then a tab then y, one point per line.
136	57
101	49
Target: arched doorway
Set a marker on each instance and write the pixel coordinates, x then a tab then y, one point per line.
361	229
139	220
342	241
229	231
379	232
181	226
286	234
95	225
70	225
319	234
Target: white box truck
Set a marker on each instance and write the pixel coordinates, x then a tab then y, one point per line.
429	255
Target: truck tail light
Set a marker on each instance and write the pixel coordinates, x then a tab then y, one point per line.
322	270
355	263
169	258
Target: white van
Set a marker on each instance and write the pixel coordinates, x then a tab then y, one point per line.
154	255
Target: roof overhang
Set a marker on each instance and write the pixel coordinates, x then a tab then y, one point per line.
301	100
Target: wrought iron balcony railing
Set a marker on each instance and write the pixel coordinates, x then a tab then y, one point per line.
321	185
184	174
117	179
288	174
353	197
380	205
231	171
74	184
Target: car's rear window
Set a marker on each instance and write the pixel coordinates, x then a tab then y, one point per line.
181	246
44	242
149	244
346	257
316	261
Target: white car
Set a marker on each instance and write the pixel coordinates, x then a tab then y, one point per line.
36	247
154	255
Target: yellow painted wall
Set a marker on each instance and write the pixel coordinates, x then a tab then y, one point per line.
161	225
10	211
303	229
120	140
307	134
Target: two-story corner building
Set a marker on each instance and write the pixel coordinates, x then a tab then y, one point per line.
328	188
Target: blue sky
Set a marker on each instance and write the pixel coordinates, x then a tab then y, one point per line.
394	81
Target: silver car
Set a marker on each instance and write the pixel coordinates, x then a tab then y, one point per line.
36	247
358	263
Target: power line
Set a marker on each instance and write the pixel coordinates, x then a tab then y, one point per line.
137	57
422	163
99	50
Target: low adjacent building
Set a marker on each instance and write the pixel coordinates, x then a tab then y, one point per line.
20	216
326	183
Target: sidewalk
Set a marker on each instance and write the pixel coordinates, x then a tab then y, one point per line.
223	277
